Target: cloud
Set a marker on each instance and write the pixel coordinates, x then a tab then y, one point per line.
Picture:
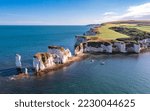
110	14
139	12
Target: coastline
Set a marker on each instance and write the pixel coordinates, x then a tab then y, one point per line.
57	57
72	60
118	53
81	57
56	67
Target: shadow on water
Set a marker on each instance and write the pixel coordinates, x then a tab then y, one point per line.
8	72
13	71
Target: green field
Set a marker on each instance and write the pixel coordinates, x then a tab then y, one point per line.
108	34
143	28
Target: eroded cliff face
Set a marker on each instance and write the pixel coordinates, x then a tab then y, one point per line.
137	41
18	61
93	46
80	39
79	49
55	55
119	47
106	46
43	60
93	31
61	54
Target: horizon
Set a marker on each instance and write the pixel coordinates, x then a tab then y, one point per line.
71	12
73	24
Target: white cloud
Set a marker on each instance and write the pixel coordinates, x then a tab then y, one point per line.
139	12
109	13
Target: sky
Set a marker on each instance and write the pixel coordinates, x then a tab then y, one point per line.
71	12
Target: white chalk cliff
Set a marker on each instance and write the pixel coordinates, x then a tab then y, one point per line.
84	45
55	55
18	61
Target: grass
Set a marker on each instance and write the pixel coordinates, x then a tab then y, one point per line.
108	34
143	28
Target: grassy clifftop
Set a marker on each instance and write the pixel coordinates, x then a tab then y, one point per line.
105	30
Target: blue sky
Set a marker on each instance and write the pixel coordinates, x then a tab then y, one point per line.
70	12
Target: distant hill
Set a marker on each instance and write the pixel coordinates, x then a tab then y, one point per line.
93	25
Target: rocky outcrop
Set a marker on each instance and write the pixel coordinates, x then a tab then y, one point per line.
133	47
43	60
93	46
121	46
20	76
18	61
55	55
80	39
60	66
92	32
98	46
101	46
61	54
79	49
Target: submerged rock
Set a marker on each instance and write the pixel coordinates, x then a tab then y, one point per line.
20	76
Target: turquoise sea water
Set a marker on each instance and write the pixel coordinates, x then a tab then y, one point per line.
120	74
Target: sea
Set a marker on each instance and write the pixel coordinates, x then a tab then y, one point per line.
119	74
